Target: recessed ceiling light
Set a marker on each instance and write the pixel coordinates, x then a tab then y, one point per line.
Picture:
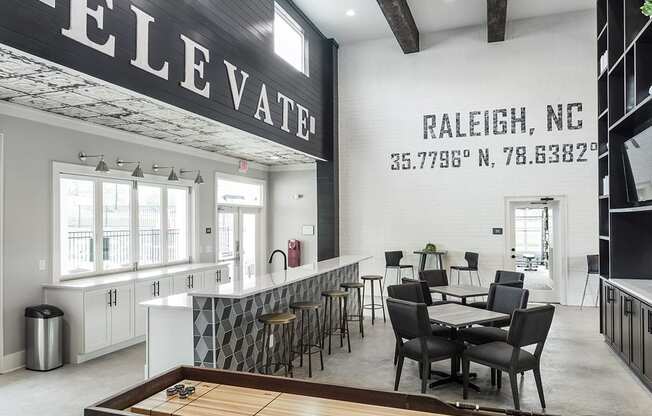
350	13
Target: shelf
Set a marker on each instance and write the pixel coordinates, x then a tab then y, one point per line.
604	113
604	154
603	197
603	31
627	121
604	237
631	209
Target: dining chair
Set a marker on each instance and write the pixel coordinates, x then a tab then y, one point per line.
593	268
435	278
425	290
529	327
393	262
505	278
503	299
472	260
410	321
413	292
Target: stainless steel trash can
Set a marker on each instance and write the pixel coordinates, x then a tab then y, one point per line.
43	337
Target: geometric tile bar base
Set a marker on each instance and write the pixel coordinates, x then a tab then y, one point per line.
226	331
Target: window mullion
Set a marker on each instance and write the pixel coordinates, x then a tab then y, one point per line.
164	225
99	231
135	226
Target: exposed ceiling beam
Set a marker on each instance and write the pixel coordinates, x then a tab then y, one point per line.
399	17
496	20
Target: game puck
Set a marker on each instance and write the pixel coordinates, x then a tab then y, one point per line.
179	387
171	391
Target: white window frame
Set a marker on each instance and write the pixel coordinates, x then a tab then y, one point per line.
281	12
242	179
60	169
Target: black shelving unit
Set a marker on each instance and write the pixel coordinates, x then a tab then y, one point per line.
624	110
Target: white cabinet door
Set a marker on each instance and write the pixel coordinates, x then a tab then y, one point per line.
180	283
97	318
144	291
164	288
122	314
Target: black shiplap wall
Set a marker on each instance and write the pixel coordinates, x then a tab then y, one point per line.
240	31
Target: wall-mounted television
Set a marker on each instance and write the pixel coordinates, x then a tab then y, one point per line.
637	162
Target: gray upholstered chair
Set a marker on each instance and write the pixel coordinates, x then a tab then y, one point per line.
529	327
413	292
410	321
435	278
505	278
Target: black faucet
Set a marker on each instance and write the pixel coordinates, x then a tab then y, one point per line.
285	258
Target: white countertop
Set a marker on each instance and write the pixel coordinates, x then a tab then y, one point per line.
639	288
113	279
180	301
248	286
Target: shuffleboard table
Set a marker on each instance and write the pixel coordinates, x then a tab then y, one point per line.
228	393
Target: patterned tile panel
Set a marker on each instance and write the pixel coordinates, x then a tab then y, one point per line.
36	83
238	341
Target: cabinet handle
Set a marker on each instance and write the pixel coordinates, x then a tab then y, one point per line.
649	321
115	297
218	275
110	298
154	285
158	288
610	297
192	281
627	310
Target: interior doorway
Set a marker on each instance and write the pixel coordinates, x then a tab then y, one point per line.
238	235
535	245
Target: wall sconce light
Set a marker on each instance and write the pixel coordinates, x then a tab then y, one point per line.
171	177
137	173
101	165
198	179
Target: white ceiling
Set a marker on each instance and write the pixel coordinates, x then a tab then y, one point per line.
430	15
29	81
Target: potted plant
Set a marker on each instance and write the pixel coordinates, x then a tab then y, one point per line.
647	8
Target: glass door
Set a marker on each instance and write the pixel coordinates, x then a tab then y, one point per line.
237	245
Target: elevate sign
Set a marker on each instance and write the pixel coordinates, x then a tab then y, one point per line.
87	26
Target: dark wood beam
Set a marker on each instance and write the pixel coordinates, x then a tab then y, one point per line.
399	17
496	20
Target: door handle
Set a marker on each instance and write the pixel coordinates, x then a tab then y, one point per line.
110	298
115	297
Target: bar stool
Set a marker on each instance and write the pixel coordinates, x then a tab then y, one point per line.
286	321
373	305
307	307
471	266
353	318
343	323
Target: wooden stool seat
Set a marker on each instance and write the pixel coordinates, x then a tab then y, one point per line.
352	285
372	277
334	293
278	318
302	306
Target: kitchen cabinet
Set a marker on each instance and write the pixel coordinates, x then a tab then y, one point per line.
145	291
96	319
646	338
186	282
103	313
628	328
108	317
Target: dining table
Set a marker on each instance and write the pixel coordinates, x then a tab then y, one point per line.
462	292
456	316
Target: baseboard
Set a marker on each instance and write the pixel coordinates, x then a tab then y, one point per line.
82	358
12	362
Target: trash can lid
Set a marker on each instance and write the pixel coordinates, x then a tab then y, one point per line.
43	312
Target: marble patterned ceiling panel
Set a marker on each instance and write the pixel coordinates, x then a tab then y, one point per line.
32	82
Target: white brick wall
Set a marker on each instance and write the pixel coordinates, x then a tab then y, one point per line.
383	97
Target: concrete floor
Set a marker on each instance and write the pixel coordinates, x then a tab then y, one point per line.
581	375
